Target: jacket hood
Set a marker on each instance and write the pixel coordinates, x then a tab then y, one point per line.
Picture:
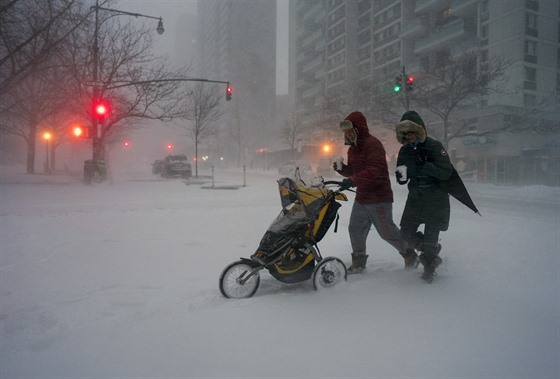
411	122
358	121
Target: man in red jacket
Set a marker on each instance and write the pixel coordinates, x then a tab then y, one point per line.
367	170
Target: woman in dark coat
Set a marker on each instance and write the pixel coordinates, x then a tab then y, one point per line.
427	166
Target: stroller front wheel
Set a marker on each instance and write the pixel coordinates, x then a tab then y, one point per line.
328	273
234	280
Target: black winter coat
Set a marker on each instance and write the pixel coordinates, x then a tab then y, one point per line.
428	165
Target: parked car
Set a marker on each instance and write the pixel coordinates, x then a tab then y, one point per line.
288	169
173	166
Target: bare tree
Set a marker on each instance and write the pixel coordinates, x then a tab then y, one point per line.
138	84
30	31
455	82
203	111
291	132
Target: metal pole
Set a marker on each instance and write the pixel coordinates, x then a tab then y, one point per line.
95	139
48	168
403	86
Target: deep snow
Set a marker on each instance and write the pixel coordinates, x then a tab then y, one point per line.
121	280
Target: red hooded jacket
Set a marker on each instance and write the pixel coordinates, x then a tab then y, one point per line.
367	165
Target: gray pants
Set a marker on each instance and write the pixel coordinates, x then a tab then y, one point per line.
381	216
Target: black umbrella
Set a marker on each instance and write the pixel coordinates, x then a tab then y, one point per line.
456	188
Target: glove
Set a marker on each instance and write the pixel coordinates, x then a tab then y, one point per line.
345	184
399	178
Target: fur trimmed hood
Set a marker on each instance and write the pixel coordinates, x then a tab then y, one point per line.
411	122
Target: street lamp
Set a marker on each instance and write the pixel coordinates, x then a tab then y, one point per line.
47	136
97	156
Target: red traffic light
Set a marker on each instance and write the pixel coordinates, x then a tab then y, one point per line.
409	79
229	92
101	110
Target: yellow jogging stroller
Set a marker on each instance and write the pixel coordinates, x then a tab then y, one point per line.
288	249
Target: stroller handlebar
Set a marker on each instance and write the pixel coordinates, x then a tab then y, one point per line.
327	182
337	183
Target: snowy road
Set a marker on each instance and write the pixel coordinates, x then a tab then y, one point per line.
121	280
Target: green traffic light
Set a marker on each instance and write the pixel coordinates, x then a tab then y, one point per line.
397	88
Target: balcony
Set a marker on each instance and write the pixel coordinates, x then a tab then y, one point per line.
312	37
414	29
424	6
464	8
445	35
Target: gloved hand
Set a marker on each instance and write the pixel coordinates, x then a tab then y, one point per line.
399	178
345	184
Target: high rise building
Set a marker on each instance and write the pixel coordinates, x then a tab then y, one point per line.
337	42
237	43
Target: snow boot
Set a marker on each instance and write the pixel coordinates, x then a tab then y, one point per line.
358	263
410	258
430	270
430	260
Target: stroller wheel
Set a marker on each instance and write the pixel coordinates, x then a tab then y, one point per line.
328	273
234	283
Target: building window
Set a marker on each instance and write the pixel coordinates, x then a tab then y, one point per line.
484	32
530	78
531	51
530	74
532	5
472	125
531	28
484	6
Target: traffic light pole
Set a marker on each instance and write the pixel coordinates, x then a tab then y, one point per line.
95	125
404	77
97	155
227	83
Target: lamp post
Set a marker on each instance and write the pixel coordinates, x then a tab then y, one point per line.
47	136
96	126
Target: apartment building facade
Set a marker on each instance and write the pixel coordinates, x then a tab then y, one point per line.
344	41
237	43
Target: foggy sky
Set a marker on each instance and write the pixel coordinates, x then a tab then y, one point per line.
171	10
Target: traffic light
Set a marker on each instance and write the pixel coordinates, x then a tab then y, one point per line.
229	92
409	82
79	131
126	143
398	84
101	110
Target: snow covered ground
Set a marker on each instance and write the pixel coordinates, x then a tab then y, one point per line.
121	280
